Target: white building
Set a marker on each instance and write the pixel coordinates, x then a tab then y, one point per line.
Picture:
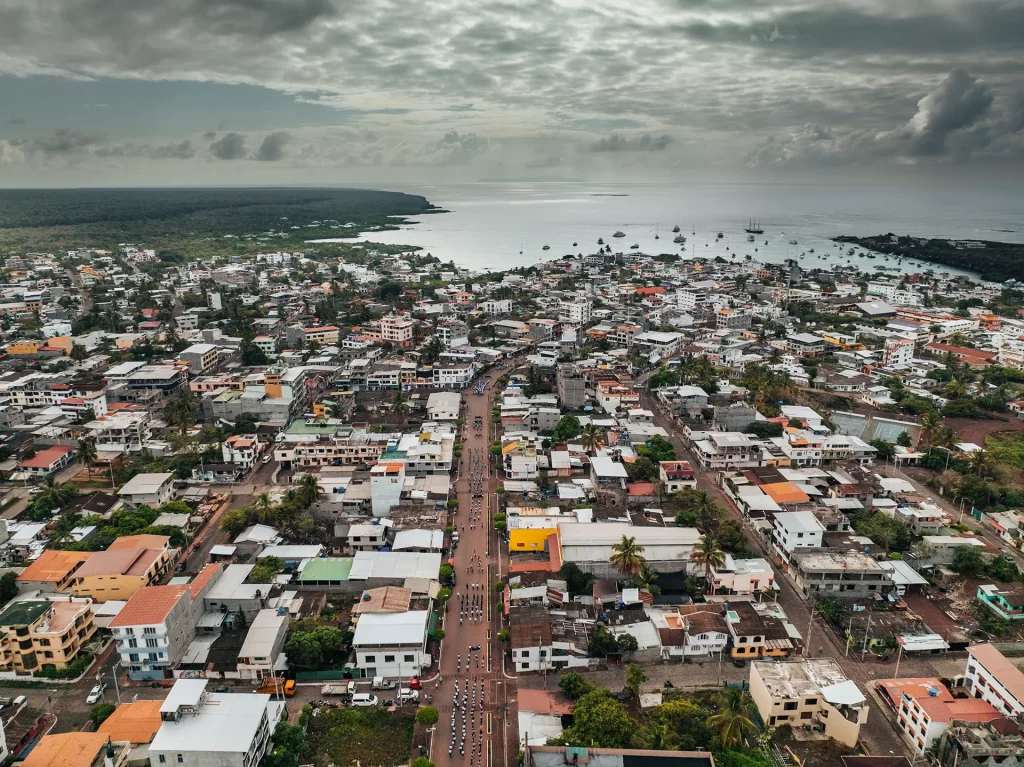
443	406
396	330
493	306
577	311
242	449
387	480
792	530
743	576
392	644
899	353
262	651
210	729
993	678
589	546
148	489
200	357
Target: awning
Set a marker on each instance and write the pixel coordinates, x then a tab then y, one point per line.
843	694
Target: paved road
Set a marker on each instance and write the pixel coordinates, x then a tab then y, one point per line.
489	734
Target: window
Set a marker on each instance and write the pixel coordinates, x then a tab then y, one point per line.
389	658
162	758
743	640
133	642
806	714
790	706
409	658
812	701
134	657
149	630
370	659
152	643
525	666
181	760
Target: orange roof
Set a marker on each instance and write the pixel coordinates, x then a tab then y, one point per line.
204	577
69	749
45	458
649	291
134	722
146	541
149	606
785	492
53	565
1003	670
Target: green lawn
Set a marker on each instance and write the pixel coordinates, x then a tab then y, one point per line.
371	735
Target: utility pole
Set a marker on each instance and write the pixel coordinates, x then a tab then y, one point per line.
867	629
849	637
899	655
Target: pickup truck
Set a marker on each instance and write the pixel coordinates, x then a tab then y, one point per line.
348	688
380	683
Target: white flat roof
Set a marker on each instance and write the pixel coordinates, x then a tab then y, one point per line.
606	533
606	467
263	633
144	484
418	539
293	551
226	722
799	522
375	629
395	564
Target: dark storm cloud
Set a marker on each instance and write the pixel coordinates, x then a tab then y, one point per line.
618	143
183	150
959	102
272	148
231	146
210	135
953	121
64	141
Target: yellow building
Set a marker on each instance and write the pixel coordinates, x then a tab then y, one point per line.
54	571
529	528
22	347
813	693
61	342
40	632
130	563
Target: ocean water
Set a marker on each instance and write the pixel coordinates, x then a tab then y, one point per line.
497	226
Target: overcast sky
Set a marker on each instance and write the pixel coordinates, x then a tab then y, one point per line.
381	91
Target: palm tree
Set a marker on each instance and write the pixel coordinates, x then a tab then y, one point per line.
646	576
87	452
263	506
955	389
309	490
709	555
660	738
590	437
399	405
734	718
78	352
63	529
56	495
929	423
982	463
178	411
628	556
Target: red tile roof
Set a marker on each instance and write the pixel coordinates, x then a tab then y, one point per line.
44	459
149	606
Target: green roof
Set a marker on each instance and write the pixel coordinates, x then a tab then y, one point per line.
23	613
333	569
318	426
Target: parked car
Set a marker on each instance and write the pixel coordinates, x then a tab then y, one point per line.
96	694
268	458
405	695
364	700
380	683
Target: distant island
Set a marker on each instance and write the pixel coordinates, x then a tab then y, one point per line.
993	261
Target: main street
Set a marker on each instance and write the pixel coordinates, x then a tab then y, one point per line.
475	699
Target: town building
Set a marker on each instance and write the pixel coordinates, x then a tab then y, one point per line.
813	692
44	633
995	679
392	644
129	564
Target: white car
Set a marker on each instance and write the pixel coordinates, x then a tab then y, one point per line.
268	458
405	695
96	694
363	699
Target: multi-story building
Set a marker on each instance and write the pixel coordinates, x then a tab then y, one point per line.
925	708
137	376
397	331
200	357
729	450
40	633
575	311
36	390
743	576
496	306
676	475
898	353
805	344
392	644
337	448
267	345
53	571
93	403
846	575
1005	600
813	692
148	490
242	449
993	678
387	481
571	386
131	563
123	432
324	335
732	319
156	626
792	530
212	729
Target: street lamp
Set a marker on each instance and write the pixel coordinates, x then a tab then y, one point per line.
113	672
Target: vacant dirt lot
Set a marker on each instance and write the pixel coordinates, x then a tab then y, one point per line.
976	429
